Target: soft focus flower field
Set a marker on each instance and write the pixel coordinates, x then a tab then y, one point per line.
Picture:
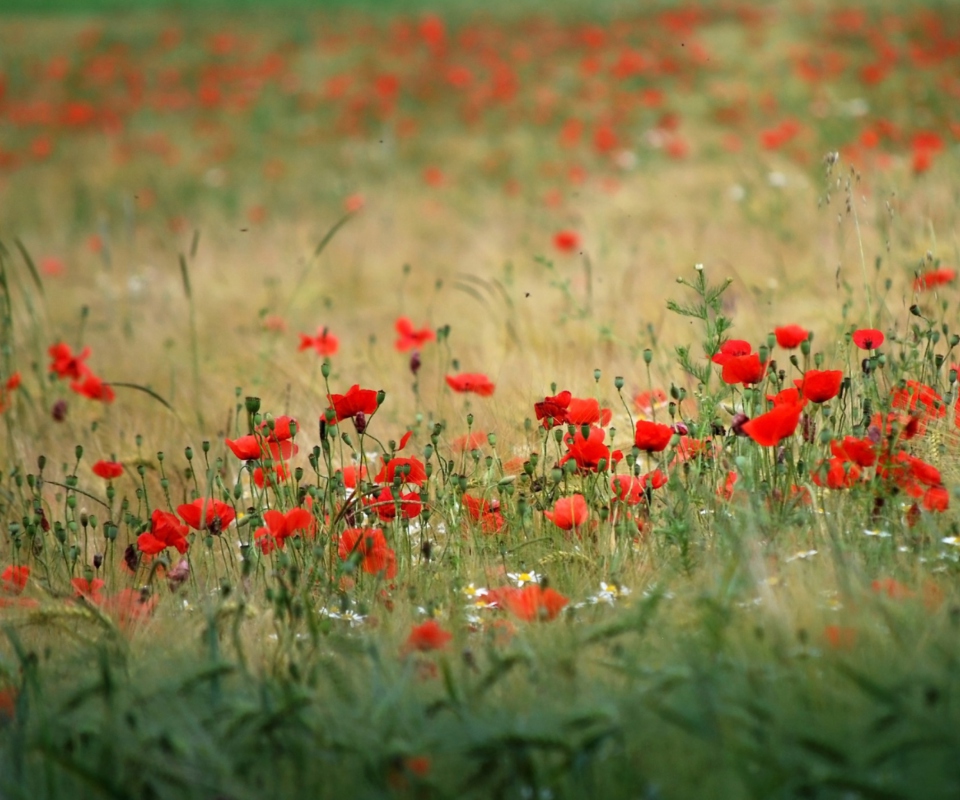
536	403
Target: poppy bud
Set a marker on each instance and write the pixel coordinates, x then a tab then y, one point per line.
415	362
381	394
647	356
41	462
252	405
97	560
867	366
131	557
716	429
360	422
325	369
79	451
737	423
915	310
596	375
680	428
618	382
59	411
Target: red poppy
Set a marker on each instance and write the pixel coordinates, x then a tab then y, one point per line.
12	383
791	336
785	397
936	498
283	428
532	602
325	343
569	512
553	408
410	339
376	555
411	470
566	241
587	412
206	514
108	470
165	531
277	475
355	401
840	637
130	606
13	580
652	436
65	363
860	451
730	349
427	636
818	386
746	369
486	512
587	452
91	386
918	398
88	589
646	402
770	428
868	338
936	277
254	448
352	474
280	526
628	489
835	474
475	382
387	505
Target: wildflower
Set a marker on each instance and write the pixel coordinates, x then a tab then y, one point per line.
386	504
918	397
628	489
410	470
731	348
108	470
206	514
566	241
130	606
376	555
280	526
325	343
770	428
785	397
868	338
91	386
647	402
746	369
356	400
532	602
818	386
410	339
523	578
569	512
587	412
835	474
67	364
934	278
486	512
88	589
839	637
790	336
860	451
589	452
283	428
165	531
652	437
936	498
475	382
13	580
427	636
12	383
553	410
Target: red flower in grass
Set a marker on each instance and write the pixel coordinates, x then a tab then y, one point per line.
731	349
88	589
13	382
475	382
790	336
387	505
553	408
587	412
273	477
410	339
919	399
587	452
355	401
325	343
836	474
427	636
279	527
569	512
818	386
376	555
255	448
283	428
532	602
130	606
840	637
860	451
91	386
108	470
486	512
652	437
628	489
936	498
645	402
67	364
13	580
785	397
165	531
868	338
746	369
206	514
934	278
566	241
770	428
410	470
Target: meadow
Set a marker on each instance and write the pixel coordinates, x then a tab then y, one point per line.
419	400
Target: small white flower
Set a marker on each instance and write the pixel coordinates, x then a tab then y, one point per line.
522	578
878	534
802	555
951	540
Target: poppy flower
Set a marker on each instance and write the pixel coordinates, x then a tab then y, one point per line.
840	637
254	448
88	589
628	489
375	554
731	349
918	398
410	470
325	343
587	452
569	512
475	382
165	531
587	412
566	241
280	526
836	474
108	470
532	602
936	277
553	408
355	401
206	514
818	386
91	386
652	436
785	397
936	498
646	402
410	339
387	505
130	606
770	428
868	338
13	580
486	512
860	451
427	636
67	364
746	369
274	477
790	336
283	428
352	475
11	384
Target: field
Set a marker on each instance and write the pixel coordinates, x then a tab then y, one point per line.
537	402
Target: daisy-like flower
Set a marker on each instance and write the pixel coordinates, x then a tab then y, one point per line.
610	592
951	540
877	534
522	578
479	597
802	555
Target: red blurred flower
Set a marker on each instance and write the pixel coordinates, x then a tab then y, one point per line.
66	364
532	602
376	555
868	338
284	428
860	451
427	636
13	580
936	277
91	386
206	514
355	401
746	369
569	512
835	474
818	386
165	531
785	397
130	606
652	436
790	336
566	241
108	470
628	489
918	398
731	349
936	498
410	339
475	382
411	470
325	343
386	504
553	408
486	512
770	428
89	589
586	452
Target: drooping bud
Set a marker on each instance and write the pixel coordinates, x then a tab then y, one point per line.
415	362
